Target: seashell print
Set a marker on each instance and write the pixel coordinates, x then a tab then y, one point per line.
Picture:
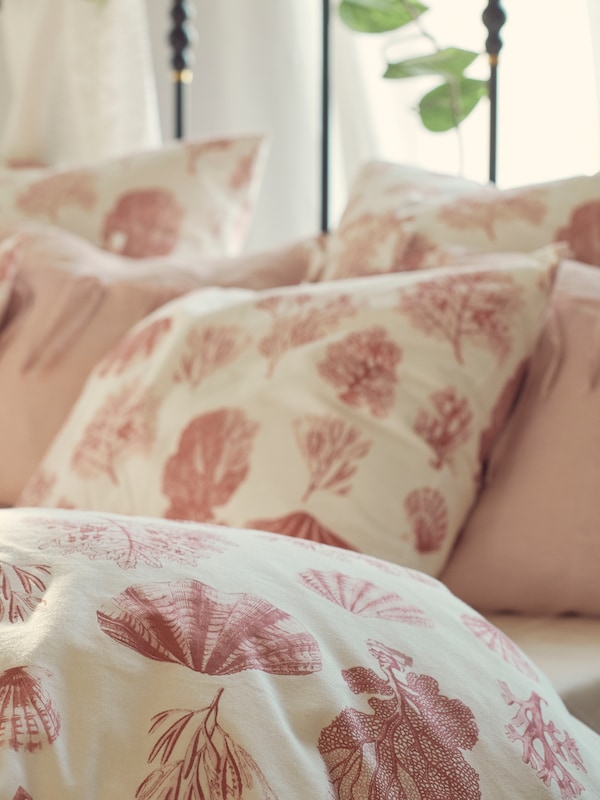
426	509
363	598
499	643
28	719
300	525
216	633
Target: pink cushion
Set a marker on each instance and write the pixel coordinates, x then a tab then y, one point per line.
532	543
8	257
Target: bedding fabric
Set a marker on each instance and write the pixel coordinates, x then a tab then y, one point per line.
152	659
183	197
8	257
356	413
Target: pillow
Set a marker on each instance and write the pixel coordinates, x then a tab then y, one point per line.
183	197
7	274
369	238
152	659
532	542
351	413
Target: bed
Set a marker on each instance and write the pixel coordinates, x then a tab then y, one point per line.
305	523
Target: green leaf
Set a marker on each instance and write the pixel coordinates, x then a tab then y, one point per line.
377	16
449	62
448	105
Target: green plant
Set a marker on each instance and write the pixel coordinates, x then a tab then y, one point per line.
445	106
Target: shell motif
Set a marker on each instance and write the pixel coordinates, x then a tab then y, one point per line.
216	633
28	718
428	515
362	597
499	643
300	525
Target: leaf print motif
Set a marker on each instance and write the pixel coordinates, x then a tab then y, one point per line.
499	643
331	448
48	196
216	633
207	350
427	513
447	427
477	307
484	213
300	525
409	746
139	344
199	760
132	543
28	718
362	597
124	425
143	223
547	750
299	320
362	366
211	461
21	590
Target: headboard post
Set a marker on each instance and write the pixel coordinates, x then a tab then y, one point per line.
494	18
180	38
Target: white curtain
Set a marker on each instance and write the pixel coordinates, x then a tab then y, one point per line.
80	80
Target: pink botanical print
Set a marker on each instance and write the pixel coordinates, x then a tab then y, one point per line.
474	307
124	425
199	760
427	514
137	345
362	367
208	349
301	525
446	427
211	461
582	233
130	542
38	488
215	633
196	151
362	597
331	448
499	643
409	746
143	223
501	411
371	244
485	212
48	196
546	749
22	794
28	718
21	590
299	320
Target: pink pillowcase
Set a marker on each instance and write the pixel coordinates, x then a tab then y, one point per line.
532	543
7	275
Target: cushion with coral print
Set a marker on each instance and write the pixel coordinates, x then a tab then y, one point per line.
182	197
370	238
355	413
155	659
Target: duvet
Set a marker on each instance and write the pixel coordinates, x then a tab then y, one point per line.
157	660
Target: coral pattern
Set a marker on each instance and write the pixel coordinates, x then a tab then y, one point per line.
477	307
215	633
124	425
547	750
143	223
331	448
484	213
362	597
301	525
50	195
499	643
362	367
207	765
211	461
500	412
21	590
409	746
208	349
369	242
139	344
583	233
447	427
134	543
28	719
427	513
299	320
